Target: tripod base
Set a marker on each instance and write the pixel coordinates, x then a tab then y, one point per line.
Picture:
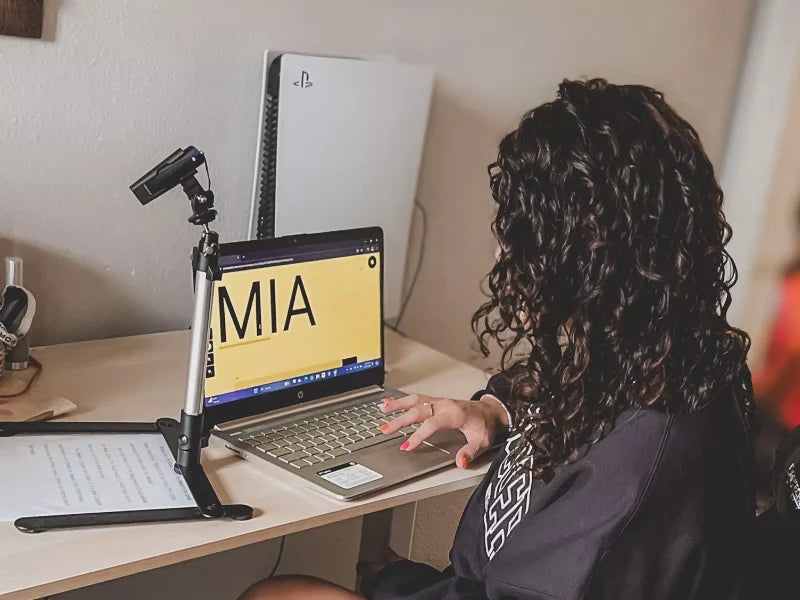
208	504
237	512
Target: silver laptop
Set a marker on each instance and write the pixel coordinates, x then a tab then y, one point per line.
295	369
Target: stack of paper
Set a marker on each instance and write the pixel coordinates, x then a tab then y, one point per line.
67	474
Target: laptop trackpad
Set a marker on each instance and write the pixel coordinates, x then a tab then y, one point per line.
449	440
395	464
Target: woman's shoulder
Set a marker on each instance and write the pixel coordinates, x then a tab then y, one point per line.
649	451
652	432
633	444
700	461
692	493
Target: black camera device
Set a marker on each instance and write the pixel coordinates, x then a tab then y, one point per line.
179	168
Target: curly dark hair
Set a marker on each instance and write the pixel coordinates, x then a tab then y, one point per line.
612	284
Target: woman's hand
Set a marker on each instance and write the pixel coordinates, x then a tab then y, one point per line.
480	421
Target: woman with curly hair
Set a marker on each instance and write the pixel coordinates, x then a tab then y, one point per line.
623	402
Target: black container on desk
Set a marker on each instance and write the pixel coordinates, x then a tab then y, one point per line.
16	358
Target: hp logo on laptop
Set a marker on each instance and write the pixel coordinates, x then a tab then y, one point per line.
304	81
300	395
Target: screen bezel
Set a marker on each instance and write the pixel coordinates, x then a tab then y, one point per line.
257	404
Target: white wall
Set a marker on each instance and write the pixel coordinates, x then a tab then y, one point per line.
774	239
758	137
121	84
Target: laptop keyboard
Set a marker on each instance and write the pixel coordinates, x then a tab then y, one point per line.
310	439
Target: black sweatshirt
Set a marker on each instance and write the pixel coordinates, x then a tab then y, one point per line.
660	508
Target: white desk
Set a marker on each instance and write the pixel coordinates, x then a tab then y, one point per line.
143	377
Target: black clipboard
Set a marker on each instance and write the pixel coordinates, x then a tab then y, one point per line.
207	506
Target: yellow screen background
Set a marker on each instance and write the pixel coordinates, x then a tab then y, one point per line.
344	295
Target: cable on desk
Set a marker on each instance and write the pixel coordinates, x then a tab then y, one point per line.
36	365
424	214
278	560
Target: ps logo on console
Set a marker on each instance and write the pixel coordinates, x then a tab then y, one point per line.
304	81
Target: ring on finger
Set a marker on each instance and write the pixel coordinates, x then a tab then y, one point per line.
430	406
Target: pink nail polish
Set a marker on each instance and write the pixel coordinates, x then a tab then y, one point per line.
404	446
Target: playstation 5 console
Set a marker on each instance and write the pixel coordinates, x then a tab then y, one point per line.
340	144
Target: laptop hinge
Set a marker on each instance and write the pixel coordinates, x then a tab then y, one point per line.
291	410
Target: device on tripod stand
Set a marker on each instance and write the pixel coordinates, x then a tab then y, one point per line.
187	437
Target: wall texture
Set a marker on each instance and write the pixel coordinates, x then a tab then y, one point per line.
121	84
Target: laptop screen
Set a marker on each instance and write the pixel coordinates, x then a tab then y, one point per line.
284	317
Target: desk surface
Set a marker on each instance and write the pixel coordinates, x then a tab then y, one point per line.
143	377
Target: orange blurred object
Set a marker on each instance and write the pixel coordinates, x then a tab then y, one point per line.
776	385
